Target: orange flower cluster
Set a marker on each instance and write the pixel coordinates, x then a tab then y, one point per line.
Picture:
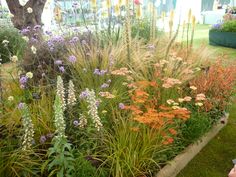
218	85
145	108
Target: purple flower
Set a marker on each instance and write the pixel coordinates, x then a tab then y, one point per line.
36	27
58	62
98	103
49	33
84	94
121	106
103	72
62	69
34	40
23	80
58	39
76	123
24	31
105	85
74	40
72	59
217	26
96	72
21	105
43	139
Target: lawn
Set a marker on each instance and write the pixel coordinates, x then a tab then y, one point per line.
215	160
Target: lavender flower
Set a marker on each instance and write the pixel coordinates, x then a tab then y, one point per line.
49	33
43	139
83	94
21	105
36	27
58	62
62	69
217	26
76	123
74	40
72	59
121	106
105	85
25	31
23	80
96	72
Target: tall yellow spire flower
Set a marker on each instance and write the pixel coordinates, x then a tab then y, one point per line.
139	12
189	15
94	3
117	9
108	3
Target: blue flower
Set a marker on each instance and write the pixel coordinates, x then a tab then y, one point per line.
43	139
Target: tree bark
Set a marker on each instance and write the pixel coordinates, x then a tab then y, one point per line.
22	18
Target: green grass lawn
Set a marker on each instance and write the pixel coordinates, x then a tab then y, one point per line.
215	160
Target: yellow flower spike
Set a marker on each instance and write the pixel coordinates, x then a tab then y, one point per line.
193	21
127	2
108	3
94	3
163	15
189	15
117	9
172	14
139	12
120	3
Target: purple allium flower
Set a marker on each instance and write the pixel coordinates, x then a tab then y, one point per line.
121	106
23	80
49	33
36	27
97	72
105	85
84	94
58	39
24	31
76	123
34	40
74	40
217	26
72	59
43	139
98	103
103	72
21	105
62	69
58	62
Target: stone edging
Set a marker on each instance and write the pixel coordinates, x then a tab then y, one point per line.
180	161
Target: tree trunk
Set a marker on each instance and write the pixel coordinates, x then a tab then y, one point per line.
22	18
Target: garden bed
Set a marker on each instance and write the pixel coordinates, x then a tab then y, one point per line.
226	39
179	162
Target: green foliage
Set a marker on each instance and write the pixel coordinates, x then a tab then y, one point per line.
130	153
141	29
16	45
195	127
61	160
229	26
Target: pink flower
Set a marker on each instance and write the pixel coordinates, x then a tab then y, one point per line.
137	2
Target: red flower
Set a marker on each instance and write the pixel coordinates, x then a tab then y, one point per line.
137	2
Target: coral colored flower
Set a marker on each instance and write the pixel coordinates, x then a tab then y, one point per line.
193	87
187	98
200	97
173	131
168	141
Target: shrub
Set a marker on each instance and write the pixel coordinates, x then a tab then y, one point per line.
229	26
16	45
